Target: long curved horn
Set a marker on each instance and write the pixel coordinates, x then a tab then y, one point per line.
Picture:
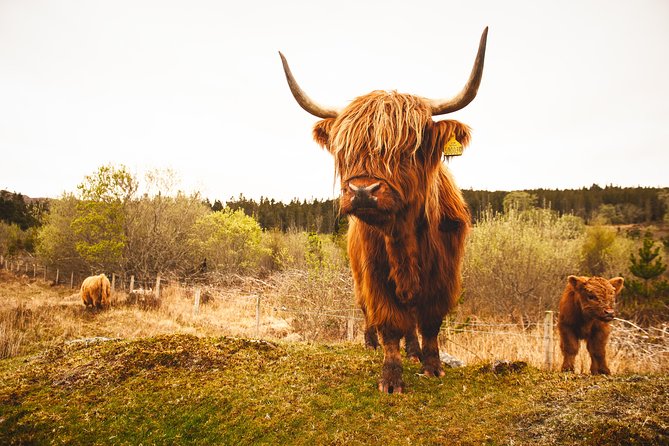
302	98
468	93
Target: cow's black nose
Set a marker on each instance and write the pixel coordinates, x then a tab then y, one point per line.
363	196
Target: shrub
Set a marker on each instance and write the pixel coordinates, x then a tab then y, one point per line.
230	241
518	261
595	249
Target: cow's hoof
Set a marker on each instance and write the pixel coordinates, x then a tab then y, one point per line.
391	379
413	352
391	387
433	370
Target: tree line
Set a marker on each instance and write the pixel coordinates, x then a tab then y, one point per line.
611	204
614	204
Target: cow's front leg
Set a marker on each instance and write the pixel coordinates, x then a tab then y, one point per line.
391	374
430	325
596	345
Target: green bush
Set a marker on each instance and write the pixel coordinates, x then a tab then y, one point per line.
230	241
519	261
13	240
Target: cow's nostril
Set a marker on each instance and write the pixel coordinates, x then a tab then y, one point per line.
363	196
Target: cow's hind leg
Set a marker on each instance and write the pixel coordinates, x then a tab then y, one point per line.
429	325
391	374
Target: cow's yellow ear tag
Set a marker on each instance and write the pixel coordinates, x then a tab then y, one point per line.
453	147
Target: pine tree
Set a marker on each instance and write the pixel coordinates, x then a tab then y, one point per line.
647	266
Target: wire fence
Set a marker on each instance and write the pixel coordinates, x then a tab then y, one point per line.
264	302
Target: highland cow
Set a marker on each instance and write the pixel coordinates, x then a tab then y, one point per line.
586	310
407	218
95	291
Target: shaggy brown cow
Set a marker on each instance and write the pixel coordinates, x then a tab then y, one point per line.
95	291
586	308
408	220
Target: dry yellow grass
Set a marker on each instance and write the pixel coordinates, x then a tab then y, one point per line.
629	350
34	315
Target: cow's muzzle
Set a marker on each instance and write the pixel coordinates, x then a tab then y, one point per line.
363	196
608	315
370	199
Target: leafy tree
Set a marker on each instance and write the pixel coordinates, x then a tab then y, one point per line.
14	240
595	249
108	184
159	231
15	210
663	196
100	222
56	239
230	241
217	206
520	201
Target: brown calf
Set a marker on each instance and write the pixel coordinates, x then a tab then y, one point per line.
586	309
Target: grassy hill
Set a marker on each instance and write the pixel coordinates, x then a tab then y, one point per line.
183	389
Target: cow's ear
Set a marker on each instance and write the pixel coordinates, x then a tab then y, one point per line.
617	283
576	281
321	133
442	132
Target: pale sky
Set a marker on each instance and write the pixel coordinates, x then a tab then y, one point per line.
573	92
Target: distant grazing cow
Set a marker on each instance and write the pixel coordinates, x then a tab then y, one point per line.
408	220
95	291
586	309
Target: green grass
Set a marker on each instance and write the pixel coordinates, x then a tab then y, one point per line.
181	389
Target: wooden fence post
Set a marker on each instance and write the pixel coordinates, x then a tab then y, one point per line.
132	283
72	280
45	273
548	340
57	275
113	284
349	325
196	308
34	270
158	286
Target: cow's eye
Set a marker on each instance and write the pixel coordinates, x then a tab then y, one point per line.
592	296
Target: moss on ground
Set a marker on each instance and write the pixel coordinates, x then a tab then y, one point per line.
181	389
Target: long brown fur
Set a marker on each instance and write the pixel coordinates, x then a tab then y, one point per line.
586	309
95	291
406	255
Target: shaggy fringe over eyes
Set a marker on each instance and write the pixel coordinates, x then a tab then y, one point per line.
382	123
